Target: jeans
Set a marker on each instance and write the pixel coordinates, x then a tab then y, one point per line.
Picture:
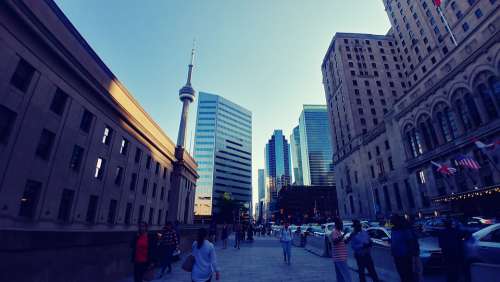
139	270
404	266
287	251
342	271
167	258
366	262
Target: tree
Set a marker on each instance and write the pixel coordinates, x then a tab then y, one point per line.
228	209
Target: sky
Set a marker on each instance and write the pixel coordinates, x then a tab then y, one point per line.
264	55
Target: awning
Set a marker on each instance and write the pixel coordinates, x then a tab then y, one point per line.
472	194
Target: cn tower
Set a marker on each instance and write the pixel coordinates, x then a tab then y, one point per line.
186	95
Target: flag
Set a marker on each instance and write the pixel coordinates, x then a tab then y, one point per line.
444	169
437	3
489	146
468	162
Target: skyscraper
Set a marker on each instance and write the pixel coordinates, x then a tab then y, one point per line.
277	159
296	157
261	194
315	144
223	150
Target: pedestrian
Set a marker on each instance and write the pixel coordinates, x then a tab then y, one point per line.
286	242
339	253
237	235
143	251
404	247
224	235
451	244
205	260
361	246
212	232
167	245
250	232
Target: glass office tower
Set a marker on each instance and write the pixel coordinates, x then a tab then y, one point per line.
296	157
223	151
278	162
315	143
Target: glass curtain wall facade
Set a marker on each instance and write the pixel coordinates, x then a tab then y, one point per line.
278	162
296	157
223	151
315	144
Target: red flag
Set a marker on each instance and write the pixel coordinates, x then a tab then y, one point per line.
437	3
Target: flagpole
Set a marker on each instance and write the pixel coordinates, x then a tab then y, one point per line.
447	25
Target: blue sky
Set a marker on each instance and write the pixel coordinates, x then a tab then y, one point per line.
264	55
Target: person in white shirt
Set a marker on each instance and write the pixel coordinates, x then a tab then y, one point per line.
205	260
286	242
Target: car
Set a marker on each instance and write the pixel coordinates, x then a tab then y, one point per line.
430	253
467	224
484	245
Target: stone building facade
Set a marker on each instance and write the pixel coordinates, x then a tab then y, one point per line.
449	96
77	151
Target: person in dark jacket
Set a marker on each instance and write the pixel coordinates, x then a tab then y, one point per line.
167	245
143	251
451	244
404	247
361	245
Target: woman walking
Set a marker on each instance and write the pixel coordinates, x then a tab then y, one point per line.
339	253
224	235
205	261
286	243
143	251
404	247
167	245
361	245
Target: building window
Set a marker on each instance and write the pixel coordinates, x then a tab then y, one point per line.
138	154
66	205
372	169
145	186
157	168
106	137
45	144
478	13
128	213
124	146
119	175
154	190
148	162
7	120
409	193
59	102
112	212
99	168
391	165
387	198
164	173
133	181
76	158
421	177
159	217
151	213
141	213
92	209
398	196
29	200
22	76
162	193
86	121
465	26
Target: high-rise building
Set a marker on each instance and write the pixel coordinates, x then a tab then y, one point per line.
223	151
316	149
277	159
296	157
261	194
440	80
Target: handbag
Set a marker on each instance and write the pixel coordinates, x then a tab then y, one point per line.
188	263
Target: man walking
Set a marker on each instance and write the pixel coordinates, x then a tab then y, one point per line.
339	253
237	235
361	245
451	244
167	245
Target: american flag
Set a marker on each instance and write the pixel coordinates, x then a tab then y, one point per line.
444	169
468	162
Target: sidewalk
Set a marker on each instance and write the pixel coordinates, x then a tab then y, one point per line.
262	260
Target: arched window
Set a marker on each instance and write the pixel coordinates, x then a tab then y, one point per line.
472	109
446	120
463	114
428	133
418	142
494	84
486	96
444	127
410	142
450	118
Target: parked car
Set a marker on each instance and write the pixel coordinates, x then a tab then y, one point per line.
484	245
430	253
467	224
